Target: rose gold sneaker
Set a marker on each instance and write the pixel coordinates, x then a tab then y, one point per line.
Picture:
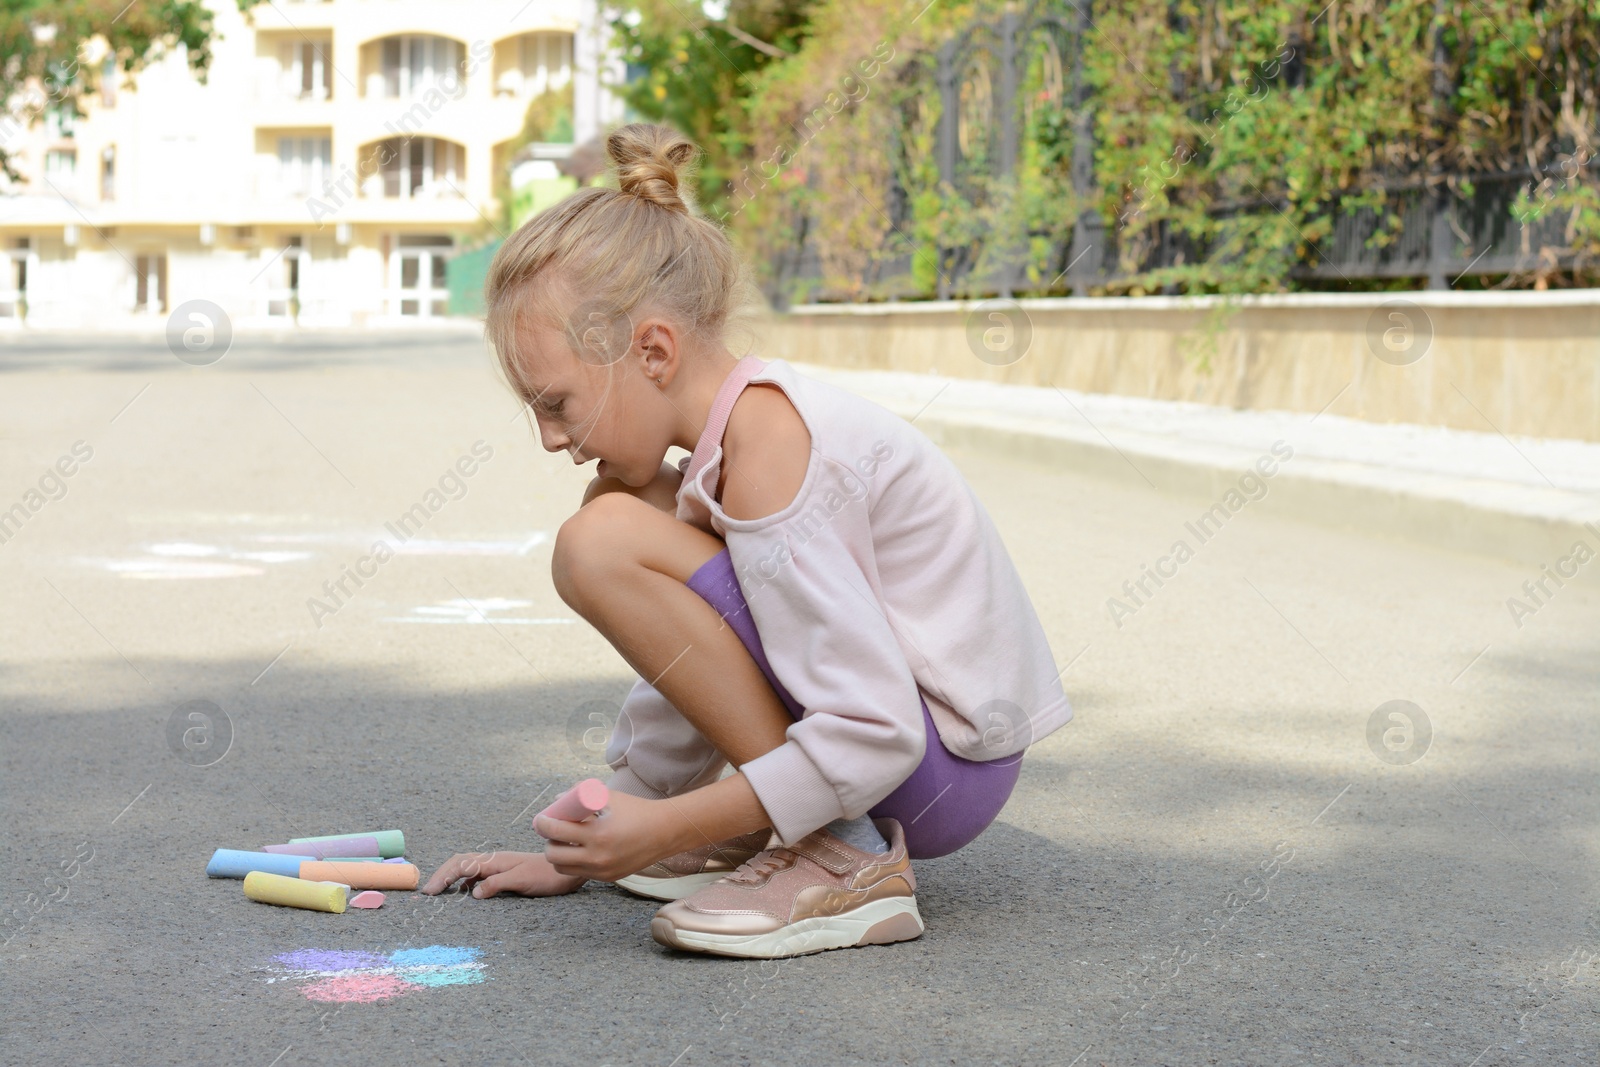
816	894
678	876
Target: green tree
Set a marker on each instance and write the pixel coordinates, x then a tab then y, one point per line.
702	69
42	47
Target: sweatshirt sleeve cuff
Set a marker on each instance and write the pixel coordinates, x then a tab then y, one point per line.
796	796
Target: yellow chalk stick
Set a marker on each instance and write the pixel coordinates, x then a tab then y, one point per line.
296	892
363	875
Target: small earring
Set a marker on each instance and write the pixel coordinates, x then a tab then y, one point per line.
658	381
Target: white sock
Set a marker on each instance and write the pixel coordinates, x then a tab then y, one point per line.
858	833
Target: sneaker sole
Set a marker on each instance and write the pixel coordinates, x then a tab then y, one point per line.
881	922
667	888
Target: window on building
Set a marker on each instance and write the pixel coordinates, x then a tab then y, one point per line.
108	81
59	124
412	64
305	165
108	172
414	168
61	166
307	68
150	283
538	61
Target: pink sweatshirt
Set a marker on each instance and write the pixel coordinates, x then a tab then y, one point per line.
883	578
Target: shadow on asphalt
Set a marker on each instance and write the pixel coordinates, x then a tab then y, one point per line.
1099	936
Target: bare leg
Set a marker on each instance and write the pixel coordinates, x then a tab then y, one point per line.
622	564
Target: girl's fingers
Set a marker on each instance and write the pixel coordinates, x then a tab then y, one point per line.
484	888
566	859
469	865
445	876
554	830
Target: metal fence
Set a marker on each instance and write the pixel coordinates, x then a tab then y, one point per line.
1449	225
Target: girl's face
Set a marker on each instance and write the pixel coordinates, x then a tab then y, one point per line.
612	412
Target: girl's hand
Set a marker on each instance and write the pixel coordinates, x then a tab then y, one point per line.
629	836
528	874
661	492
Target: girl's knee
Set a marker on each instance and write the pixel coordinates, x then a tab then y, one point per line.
661	493
593	543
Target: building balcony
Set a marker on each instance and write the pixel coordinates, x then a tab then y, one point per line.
279	110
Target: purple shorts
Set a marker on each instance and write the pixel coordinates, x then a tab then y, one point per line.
946	803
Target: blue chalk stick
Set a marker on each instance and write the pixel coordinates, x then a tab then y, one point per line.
232	863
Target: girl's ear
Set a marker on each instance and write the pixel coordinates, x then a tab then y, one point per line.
658	349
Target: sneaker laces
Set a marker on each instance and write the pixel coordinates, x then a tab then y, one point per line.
757	867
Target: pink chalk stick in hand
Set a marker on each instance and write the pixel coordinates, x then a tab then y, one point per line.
584	800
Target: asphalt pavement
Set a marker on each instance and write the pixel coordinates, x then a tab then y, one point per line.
1327	798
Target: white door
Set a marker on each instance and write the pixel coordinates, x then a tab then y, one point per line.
150	284
417	281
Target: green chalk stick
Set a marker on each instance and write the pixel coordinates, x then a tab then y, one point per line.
353	859
390	842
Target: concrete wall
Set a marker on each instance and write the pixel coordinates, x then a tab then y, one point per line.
1516	363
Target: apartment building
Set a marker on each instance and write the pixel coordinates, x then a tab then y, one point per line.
337	154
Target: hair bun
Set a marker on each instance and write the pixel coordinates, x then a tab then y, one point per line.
651	160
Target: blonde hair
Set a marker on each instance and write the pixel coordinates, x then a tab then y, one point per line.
639	246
